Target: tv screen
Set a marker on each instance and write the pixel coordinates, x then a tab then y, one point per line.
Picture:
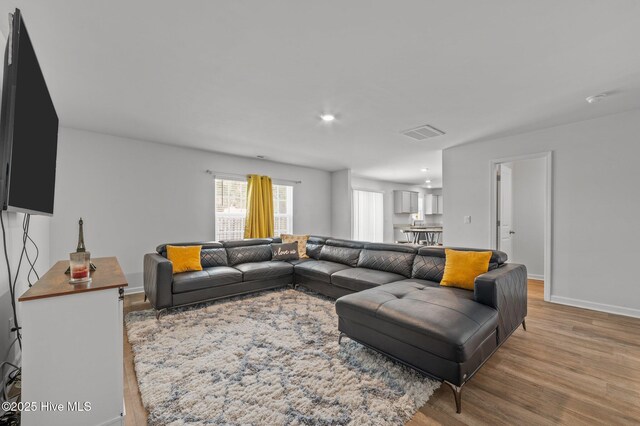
29	128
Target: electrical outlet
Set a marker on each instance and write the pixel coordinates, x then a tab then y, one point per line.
467	219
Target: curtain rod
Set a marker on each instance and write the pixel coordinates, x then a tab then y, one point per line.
237	175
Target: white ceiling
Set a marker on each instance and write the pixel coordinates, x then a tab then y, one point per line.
251	77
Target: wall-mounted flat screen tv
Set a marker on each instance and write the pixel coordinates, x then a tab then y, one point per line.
28	128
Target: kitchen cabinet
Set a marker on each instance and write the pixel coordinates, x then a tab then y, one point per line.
433	204
405	202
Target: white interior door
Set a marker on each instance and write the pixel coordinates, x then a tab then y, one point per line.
505	210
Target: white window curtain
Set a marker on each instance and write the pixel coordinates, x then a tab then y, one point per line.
367	216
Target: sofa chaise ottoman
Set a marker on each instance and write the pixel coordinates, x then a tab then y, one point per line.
445	333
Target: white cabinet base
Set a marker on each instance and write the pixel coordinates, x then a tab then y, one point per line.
72	354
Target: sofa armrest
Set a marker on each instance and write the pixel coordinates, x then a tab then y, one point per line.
158	276
504	289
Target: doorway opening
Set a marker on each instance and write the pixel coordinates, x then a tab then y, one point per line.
368	216
521	213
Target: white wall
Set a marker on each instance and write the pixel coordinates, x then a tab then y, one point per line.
341	204
39	232
389	217
596	201
134	195
528	180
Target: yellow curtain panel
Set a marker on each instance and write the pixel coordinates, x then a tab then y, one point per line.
259	223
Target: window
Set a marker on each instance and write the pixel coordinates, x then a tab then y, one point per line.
231	209
367	216
282	209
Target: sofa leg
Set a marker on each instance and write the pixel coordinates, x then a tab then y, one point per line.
524	324
159	312
340	337
457	394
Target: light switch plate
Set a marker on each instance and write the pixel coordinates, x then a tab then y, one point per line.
467	219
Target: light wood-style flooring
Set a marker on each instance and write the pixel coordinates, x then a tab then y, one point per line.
573	366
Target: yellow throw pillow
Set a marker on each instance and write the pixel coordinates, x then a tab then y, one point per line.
302	243
462	267
184	258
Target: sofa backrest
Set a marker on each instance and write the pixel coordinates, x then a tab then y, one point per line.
346	252
314	246
429	262
212	253
396	258
251	250
211	257
162	248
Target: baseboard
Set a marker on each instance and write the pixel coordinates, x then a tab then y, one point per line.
602	307
133	290
535	277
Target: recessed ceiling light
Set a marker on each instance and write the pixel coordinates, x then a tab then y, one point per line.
428	181
328	118
596	98
424	169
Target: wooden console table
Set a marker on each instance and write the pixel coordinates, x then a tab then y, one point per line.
72	347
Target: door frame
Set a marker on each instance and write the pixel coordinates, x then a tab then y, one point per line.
548	216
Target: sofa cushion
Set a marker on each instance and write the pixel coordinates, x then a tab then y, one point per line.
345	255
254	271
337	242
429	262
210	257
314	245
162	248
184	258
429	268
386	260
219	275
295	262
320	270
246	242
446	322
300	240
249	254
285	251
462	268
418	281
358	279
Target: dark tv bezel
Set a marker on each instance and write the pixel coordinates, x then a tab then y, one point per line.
7	117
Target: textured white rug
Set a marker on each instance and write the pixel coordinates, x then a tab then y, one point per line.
267	359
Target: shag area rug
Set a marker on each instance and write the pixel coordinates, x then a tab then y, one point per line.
266	359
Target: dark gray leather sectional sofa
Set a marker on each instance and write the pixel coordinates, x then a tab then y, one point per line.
389	296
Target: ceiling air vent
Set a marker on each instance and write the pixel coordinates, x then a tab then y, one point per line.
423	132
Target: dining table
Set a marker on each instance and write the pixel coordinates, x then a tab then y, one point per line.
429	235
